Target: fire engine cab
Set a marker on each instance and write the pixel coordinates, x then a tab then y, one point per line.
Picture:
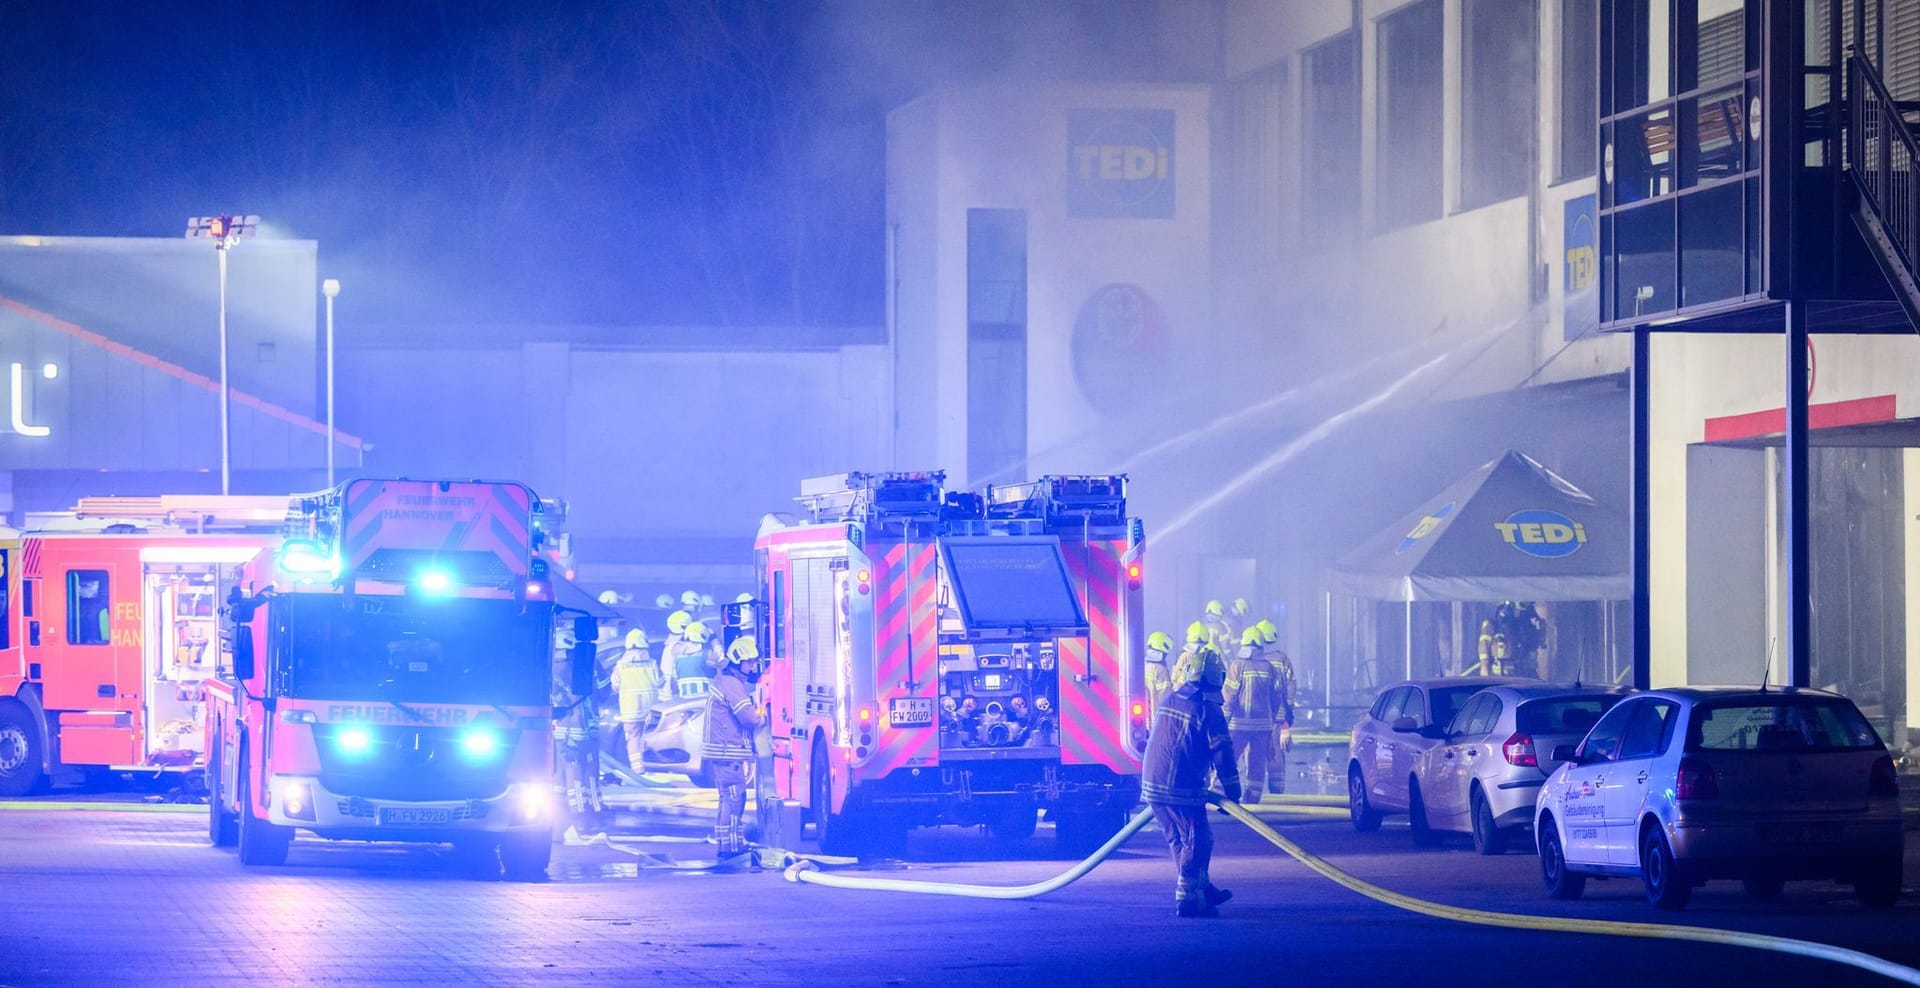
946	657
111	631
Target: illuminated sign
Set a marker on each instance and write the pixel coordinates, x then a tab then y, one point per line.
1580	269
1542	533
1425	528
17	398
1120	163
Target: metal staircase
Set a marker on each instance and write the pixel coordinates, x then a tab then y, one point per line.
1884	159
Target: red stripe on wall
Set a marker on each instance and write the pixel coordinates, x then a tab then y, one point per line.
1826	415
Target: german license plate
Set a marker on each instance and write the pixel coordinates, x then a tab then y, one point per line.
1800	833
414	815
911	711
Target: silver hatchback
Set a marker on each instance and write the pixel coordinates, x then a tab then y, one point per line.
1392	734
1493	758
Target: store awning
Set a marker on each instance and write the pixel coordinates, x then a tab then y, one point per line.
1511	530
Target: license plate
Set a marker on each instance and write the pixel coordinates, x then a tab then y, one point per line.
1800	833
415	815
911	711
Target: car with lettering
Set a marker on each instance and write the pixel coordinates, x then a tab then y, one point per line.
1396	730
1493	757
1681	786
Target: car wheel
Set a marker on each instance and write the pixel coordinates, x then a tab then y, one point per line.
1561	881
1487	836
261	842
20	753
1763	886
1365	817
1667	884
1880	887
1423	833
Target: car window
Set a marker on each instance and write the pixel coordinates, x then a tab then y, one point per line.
1603	742
1447	701
1785	724
1462	722
1383	707
1648	729
1562	714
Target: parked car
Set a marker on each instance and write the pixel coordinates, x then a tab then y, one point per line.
1386	742
1681	786
674	735
1493	757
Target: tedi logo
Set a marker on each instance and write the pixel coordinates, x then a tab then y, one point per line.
1120	163
1543	533
17	402
1425	528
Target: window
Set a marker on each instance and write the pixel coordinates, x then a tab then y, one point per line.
1603	742
1641	72
1408	152
1398	703
6	605
1497	115
780	614
1562	715
88	613
1786	724
996	341
1385	705
1447	701
1579	116
1462	722
1330	137
1649	730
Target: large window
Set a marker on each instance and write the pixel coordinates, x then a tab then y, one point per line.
1408	153
1497	106
1330	206
1579	116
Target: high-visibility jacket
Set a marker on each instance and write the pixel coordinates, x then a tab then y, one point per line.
732	716
637	677
1251	695
1188	743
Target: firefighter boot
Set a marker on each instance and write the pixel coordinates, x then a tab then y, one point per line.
1214	895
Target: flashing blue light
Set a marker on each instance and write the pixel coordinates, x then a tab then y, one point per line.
354	740
435	581
479	743
302	556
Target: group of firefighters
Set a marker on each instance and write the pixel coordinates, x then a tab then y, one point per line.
1214	718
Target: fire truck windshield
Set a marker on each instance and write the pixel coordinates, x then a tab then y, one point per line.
417	650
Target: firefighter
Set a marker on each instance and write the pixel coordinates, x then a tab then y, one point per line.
1218	634
1250	700
733	716
1285	684
1239	616
1159	677
637	678
1189	742
689	662
91	620
1199	640
576	743
677	627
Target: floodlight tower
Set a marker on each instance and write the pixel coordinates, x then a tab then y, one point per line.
224	231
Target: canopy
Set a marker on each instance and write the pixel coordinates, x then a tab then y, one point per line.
1511	530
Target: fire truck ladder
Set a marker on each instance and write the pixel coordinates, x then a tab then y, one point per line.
196	513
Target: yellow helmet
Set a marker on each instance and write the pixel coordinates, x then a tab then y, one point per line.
1241	607
1252	636
742	597
1216	609
1269	633
743	649
677	622
689	599
1159	642
663	601
697	632
1196	633
1203	666
636	639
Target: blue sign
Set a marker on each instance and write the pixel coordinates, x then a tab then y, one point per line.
1542	533
1427	526
1580	269
1120	164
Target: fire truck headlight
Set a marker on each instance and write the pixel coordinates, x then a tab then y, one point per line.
296	799
435	581
530	801
353	740
479	743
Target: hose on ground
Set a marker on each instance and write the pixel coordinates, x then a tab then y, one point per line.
803	870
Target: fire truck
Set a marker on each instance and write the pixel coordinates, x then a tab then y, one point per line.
946	657
391	677
110	632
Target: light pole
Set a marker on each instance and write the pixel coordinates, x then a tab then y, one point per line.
331	289
224	231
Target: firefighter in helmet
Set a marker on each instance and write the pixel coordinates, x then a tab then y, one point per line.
1199	640
637	678
677	626
1250	698
1188	744
1219	635
1159	676
576	744
733	716
1283	711
1239	616
689	663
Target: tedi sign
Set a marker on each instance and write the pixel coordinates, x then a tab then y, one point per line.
1120	163
19	385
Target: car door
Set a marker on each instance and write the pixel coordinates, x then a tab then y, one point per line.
1447	769
1380	785
1366	736
1649	730
1407	746
1583	805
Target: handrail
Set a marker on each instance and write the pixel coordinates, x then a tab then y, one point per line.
1884	158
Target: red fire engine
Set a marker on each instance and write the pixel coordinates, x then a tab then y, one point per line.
111	632
391	677
943	657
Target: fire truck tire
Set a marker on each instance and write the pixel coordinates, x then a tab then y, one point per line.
1014	824
832	830
525	856
1081	832
20	752
223	828
261	842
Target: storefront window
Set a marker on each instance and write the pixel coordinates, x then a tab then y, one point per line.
1642	54
1643	157
1712	265
1643	245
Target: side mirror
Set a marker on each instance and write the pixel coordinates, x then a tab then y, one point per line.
243	652
582	655
1566	753
1405	725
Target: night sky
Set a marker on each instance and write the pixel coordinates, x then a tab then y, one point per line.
494	162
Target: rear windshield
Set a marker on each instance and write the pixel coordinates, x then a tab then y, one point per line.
1786	724
1562	714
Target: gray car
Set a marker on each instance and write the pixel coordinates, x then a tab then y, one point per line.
1388	740
1491	760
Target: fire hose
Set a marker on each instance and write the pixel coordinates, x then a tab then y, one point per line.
803	870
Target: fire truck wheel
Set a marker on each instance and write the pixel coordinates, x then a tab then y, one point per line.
525	856
829	828
20	753
1014	824
223	829
261	843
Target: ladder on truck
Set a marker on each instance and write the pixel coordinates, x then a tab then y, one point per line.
197	514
